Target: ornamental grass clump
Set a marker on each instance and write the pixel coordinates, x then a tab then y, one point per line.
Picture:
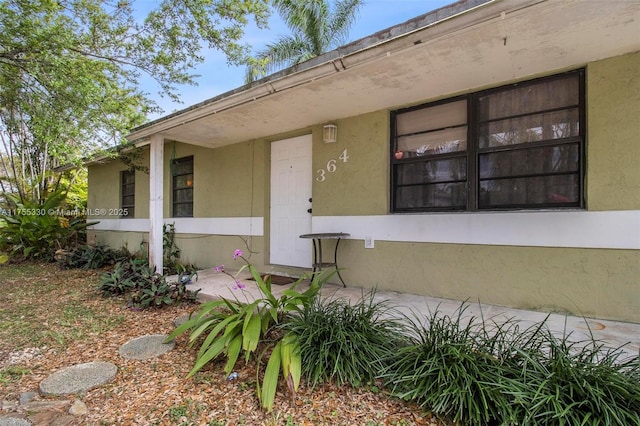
346	343
490	372
448	367
583	383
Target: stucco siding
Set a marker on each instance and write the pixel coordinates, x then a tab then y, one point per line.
613	133
359	186
132	241
591	282
227	182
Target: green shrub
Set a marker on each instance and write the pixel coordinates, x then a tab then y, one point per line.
33	230
346	343
171	253
458	368
91	257
146	288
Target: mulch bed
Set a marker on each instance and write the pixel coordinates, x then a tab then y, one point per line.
156	391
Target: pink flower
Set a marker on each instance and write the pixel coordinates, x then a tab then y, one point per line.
239	285
219	268
236	254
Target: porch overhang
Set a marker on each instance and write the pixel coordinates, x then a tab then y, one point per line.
459	48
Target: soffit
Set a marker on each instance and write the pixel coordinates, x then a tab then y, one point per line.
496	43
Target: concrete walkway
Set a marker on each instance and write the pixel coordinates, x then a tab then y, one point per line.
612	334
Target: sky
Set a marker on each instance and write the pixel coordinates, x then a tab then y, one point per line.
217	77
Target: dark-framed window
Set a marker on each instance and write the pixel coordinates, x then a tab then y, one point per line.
182	187
520	146
128	193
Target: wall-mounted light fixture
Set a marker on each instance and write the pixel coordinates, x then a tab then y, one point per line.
329	133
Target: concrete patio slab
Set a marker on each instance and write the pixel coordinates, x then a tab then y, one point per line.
612	334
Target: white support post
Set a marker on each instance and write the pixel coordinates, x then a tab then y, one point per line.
156	204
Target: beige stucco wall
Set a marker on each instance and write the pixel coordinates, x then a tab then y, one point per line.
104	187
227	181
590	282
613	131
359	186
133	241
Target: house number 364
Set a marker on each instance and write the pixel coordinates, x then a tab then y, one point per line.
332	166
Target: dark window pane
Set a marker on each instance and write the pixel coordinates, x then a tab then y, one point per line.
185	181
524	147
183	167
532	128
530	98
128	201
535	161
127	192
434	117
442	195
430	171
437	142
183	210
128	189
561	190
128	177
182	195
182	184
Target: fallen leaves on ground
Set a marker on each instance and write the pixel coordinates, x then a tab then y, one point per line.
71	323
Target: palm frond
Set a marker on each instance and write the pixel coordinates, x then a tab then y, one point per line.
315	27
286	51
342	19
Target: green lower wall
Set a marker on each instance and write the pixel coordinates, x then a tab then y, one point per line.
591	282
132	241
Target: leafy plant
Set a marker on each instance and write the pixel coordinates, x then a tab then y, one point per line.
91	257
146	287
232	327
346	343
35	231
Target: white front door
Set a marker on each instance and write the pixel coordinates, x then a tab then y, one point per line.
291	180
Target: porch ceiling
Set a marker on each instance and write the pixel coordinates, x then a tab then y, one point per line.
485	46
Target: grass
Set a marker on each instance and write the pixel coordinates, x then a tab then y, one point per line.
12	374
52	309
344	342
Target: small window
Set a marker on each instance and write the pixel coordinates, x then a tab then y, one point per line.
128	193
182	187
513	147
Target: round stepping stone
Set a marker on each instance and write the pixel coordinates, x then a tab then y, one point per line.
78	378
14	421
146	347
